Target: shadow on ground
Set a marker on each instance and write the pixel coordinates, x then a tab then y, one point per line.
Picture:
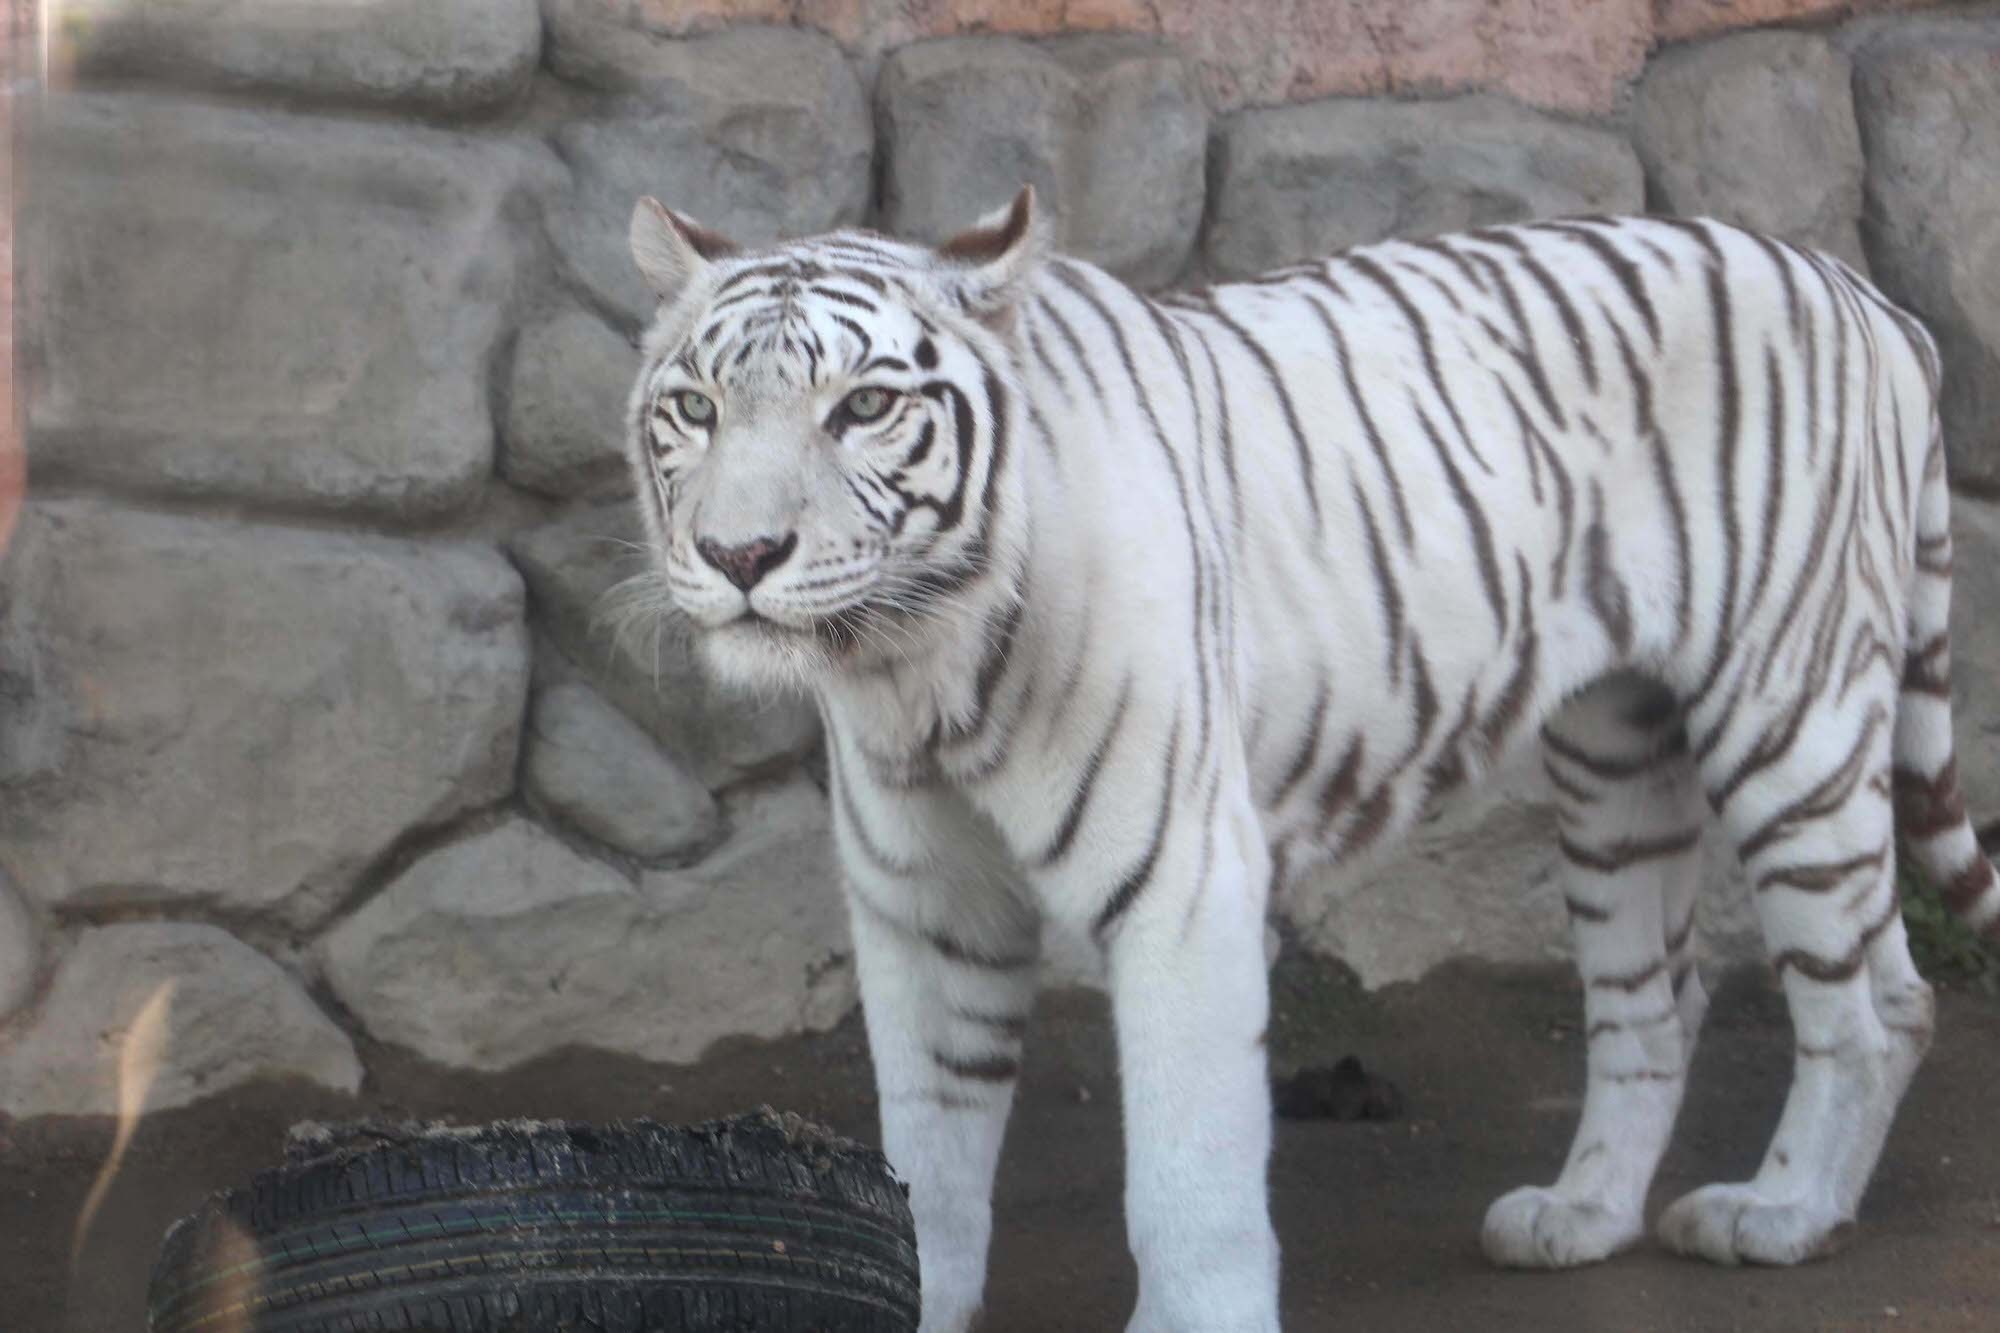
1379	1221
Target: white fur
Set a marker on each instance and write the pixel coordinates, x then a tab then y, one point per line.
1263	569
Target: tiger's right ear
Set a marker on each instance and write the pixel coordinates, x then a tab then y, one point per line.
671	250
995	258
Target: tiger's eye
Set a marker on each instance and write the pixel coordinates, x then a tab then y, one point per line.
697	408
868	404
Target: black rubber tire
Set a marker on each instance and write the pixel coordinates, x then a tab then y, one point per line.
761	1223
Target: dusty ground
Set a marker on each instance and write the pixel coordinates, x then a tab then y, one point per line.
1379	1222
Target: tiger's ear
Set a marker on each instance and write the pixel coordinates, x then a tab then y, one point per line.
671	250
991	262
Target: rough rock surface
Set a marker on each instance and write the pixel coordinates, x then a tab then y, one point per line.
1575	57
1294	183
276	308
648	667
1928	97
1112	133
188	1009
565	431
509	945
439	57
1676	19
20	950
1483	881
592	767
1975	654
242	716
1756	129
759	133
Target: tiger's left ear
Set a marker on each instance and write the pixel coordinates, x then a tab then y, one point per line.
672	250
992	261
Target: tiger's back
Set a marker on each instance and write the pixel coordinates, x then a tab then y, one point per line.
1508	484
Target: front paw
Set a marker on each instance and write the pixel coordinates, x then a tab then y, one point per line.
1539	1228
957	1319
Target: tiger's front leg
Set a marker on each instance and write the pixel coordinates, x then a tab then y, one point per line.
1185	945
947	958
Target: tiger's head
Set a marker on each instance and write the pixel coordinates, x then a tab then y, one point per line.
821	436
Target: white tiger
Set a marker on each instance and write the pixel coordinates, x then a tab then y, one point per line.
1115	605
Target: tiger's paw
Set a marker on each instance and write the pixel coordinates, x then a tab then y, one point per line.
1533	1227
1735	1224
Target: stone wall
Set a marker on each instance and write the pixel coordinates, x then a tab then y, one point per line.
312	721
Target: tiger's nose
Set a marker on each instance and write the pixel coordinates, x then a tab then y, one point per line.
744	565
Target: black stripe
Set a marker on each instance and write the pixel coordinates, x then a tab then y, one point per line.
1572	325
1822	876
1475	518
1385	585
1344	785
1369	269
1648	428
1628	274
1605	589
1196	551
1531	357
844	298
1368	427
1627	852
1081	358
979	1069
1141	874
1813	967
1774	480
1825	797
1277	384
1079	800
1308	750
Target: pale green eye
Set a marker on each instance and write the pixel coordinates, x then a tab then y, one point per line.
697	409
865	405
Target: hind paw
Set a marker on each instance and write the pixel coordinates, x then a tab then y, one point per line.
1734	1224
1534	1227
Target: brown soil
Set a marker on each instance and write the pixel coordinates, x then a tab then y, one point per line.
1379	1221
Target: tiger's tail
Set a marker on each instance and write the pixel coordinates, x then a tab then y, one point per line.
1930	806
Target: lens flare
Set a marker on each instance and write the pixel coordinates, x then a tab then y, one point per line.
139	1060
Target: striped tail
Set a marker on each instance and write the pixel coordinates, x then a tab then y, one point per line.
1930	807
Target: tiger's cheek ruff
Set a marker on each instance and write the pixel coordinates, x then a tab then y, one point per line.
1169	597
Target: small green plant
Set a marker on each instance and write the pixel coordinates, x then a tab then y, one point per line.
1945	951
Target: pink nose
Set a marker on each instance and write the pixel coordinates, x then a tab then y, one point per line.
744	565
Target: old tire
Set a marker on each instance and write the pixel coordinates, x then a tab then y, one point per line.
760	1223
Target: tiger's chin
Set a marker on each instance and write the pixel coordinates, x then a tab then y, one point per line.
758	653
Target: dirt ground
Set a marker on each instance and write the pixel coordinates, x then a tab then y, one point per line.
1379	1221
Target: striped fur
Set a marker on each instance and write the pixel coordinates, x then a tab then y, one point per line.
1128	606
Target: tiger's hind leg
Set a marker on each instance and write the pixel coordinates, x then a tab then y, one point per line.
1803	788
1631	814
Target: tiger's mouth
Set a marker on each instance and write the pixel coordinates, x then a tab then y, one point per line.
841	632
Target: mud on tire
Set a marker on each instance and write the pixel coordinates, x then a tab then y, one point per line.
761	1223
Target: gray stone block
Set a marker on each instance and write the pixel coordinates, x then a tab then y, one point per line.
1756	129
593	768
20	950
264	307
1294	183
759	133
508	945
197	1010
1975	654
1928	98
250	716
1111	132
565	429
648	667
450	57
